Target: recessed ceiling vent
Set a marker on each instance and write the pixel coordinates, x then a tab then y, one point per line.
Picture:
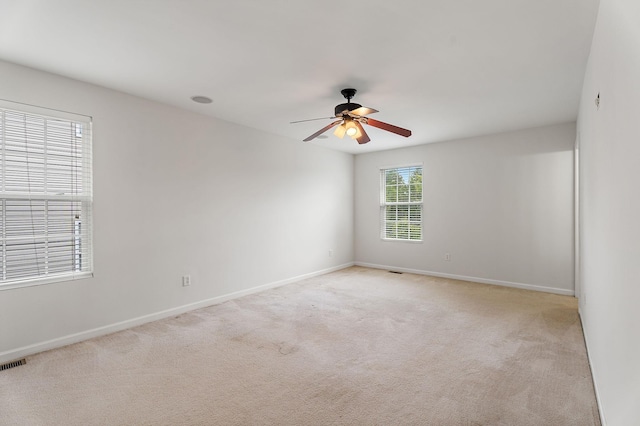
201	99
12	364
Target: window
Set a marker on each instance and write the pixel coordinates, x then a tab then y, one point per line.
45	195
401	203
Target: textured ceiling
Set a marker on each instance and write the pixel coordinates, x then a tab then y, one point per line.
445	69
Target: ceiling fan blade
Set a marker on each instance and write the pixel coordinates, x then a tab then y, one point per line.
362	137
311	119
389	127
362	111
340	131
321	131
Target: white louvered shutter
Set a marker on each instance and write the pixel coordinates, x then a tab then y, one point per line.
46	194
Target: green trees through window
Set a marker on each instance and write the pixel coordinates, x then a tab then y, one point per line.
401	203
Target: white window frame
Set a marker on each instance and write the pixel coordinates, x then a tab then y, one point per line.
384	204
57	172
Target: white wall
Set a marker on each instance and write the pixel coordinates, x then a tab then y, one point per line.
179	193
501	205
610	205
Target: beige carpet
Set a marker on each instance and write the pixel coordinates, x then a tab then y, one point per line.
355	347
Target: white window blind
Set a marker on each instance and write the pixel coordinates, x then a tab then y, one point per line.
46	195
401	203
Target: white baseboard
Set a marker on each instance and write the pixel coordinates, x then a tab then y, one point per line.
593	375
123	325
545	289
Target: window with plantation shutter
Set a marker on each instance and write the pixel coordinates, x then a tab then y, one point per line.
45	194
401	203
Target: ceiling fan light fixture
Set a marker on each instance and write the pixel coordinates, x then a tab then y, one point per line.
352	129
357	135
340	131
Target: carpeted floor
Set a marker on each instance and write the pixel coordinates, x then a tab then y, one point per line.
355	347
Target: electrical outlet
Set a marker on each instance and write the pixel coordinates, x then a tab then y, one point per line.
186	280
330	253
447	257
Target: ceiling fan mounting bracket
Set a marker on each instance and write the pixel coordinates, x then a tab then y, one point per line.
348	93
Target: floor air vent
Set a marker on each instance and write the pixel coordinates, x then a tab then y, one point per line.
395	272
12	364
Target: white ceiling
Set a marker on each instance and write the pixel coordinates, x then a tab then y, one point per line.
445	69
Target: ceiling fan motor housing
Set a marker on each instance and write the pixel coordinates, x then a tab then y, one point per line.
345	108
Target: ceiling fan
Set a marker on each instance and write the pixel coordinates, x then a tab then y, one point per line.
351	117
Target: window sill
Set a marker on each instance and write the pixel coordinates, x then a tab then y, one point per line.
45	281
394	240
